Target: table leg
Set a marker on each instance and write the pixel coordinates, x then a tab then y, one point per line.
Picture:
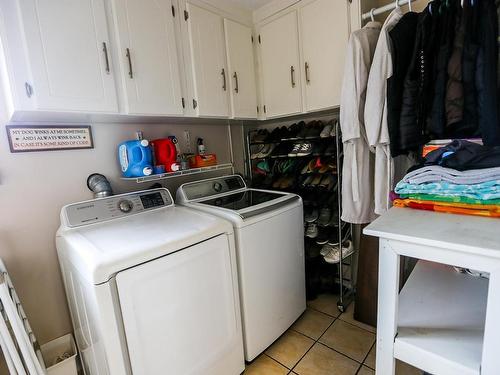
491	360
387	312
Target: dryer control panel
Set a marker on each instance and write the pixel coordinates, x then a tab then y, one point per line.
104	209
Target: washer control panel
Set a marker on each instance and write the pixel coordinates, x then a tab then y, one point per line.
114	207
214	186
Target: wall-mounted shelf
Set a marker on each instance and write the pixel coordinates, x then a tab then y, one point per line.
186	172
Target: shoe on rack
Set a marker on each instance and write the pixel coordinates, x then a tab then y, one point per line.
260	136
316	180
330	149
334	255
307	181
257	151
318	149
281	151
333	133
322	237
266	151
277	182
263	167
315	130
309	167
286	183
312	230
304	128
325	215
325	133
295	150
334	236
326	249
305	149
293	130
311	215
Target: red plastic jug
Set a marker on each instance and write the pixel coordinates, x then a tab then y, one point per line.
165	153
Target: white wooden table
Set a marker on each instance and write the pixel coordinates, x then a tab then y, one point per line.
442	322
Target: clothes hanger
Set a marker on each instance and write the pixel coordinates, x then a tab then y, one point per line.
409	5
397	3
371	14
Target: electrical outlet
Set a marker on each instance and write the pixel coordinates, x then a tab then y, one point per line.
187	141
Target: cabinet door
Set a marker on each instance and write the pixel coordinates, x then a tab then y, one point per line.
208	59
148	56
68	50
241	68
280	66
324	34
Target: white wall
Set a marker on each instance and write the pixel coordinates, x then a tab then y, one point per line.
34	187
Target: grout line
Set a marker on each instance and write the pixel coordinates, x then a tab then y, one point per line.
278	362
355	325
359	369
331	316
364	360
335	350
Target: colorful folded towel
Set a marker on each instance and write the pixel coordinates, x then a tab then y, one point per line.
483	191
436	173
450	199
476	210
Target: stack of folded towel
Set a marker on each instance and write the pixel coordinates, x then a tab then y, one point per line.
462	189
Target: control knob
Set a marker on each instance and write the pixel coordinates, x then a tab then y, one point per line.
125	206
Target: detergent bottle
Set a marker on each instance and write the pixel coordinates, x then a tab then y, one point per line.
135	157
165	152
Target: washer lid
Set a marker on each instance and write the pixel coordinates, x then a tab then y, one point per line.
102	249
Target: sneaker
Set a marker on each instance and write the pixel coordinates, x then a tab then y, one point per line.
312	230
260	136
263	167
315	130
295	150
304	128
257	150
293	130
334	237
322	237
325	133
311	215
305	149
333	133
307	181
333	255
281	151
326	249
266	151
324	217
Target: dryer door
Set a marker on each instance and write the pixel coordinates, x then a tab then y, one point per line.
181	312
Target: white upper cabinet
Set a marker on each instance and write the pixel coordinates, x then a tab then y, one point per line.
210	76
241	69
148	57
324	31
281	75
63	52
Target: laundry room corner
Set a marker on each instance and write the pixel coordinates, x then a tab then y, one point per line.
35	185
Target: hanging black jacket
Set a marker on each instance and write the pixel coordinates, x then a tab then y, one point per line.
418	84
403	41
486	74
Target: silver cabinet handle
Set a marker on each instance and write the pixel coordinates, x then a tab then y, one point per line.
306	67
236	86
106	58
130	70
292	75
223	73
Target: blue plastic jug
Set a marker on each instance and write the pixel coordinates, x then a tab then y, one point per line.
136	158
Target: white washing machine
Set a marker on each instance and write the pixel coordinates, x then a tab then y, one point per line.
152	288
269	235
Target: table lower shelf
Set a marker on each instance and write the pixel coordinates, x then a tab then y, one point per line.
441	320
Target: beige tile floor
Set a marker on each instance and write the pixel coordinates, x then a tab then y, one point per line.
323	342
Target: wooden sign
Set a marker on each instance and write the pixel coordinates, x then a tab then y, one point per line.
29	138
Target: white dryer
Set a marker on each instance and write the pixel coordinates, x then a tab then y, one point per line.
152	288
269	235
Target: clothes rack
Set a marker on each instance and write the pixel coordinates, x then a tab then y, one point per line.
384	9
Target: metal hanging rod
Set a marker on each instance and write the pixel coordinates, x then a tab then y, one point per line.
384	8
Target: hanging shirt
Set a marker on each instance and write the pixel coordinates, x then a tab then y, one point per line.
376	114
357	170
